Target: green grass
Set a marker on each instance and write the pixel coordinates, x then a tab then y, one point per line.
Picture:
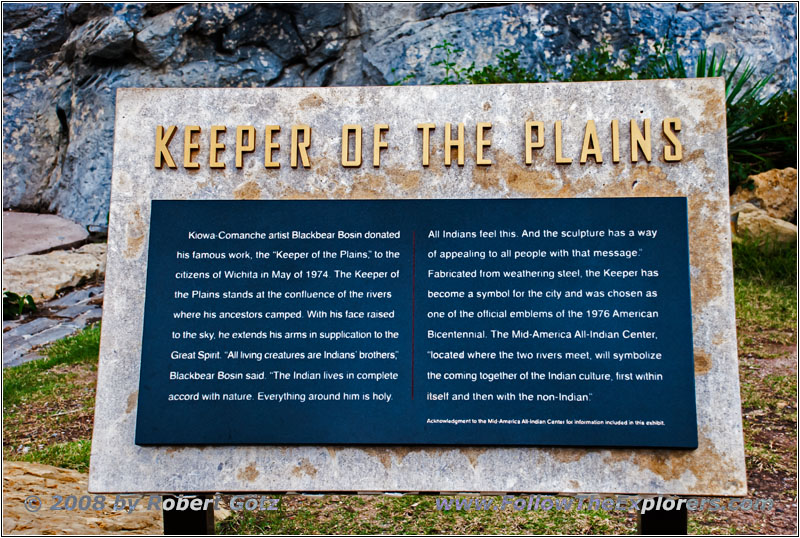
72	455
35	379
44	398
783	387
766	306
765	286
766	261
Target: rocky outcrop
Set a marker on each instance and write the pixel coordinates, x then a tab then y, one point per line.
43	275
765	207
774	191
63	62
22	479
751	221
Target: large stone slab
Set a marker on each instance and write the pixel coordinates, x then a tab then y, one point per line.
43	275
31	233
751	221
716	467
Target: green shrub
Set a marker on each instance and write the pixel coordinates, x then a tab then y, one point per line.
598	64
773	139
507	70
14	305
663	62
453	74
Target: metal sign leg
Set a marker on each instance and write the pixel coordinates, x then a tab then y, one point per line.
662	522
188	521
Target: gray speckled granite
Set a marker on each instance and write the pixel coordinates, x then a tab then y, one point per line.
715	468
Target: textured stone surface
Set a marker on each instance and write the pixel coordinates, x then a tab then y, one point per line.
21	479
63	62
716	467
62	317
775	191
756	222
29	233
43	275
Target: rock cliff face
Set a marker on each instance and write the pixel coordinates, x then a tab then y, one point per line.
63	63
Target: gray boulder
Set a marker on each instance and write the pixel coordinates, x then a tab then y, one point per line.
161	35
107	38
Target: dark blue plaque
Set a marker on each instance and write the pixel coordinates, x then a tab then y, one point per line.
418	322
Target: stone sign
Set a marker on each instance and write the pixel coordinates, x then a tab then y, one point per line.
526	281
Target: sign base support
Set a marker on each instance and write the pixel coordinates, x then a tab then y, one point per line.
663	522
197	522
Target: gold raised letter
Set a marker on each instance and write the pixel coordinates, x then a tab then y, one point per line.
377	143
188	146
300	147
615	140
481	143
241	149
590	145
215	147
426	141
674	153
560	159
638	140
162	146
530	145
346	130
270	146
449	144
